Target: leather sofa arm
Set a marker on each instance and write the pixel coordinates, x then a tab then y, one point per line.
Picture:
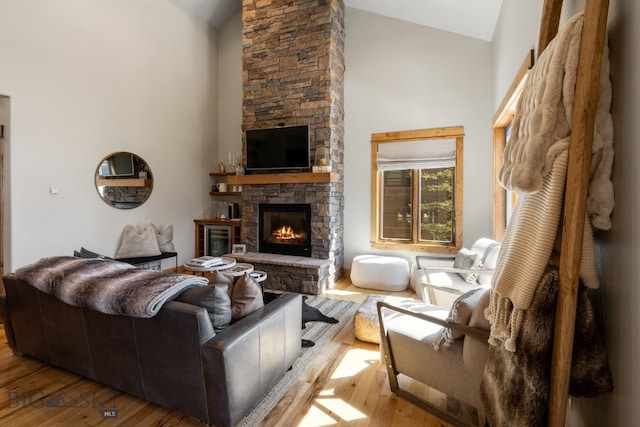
3	307
6	321
245	360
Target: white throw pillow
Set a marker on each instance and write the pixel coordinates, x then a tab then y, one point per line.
138	243
165	238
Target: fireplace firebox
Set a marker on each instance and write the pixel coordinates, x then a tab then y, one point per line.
285	229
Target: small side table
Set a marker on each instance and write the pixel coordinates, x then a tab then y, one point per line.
258	276
239	269
227	263
242	268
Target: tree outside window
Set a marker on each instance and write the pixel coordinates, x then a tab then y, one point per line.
436	204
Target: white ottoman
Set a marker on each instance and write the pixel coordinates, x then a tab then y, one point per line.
383	273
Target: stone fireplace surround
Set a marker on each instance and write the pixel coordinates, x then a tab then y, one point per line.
296	273
293	74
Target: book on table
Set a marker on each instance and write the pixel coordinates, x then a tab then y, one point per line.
205	261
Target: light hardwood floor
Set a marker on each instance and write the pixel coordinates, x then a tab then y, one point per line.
344	386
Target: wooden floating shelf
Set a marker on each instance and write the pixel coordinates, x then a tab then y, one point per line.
124	182
284	178
221	173
225	193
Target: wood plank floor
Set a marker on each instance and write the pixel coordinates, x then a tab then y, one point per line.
344	386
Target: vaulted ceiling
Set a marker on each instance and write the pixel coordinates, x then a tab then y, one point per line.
472	18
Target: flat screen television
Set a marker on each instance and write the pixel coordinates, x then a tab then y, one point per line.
119	164
278	148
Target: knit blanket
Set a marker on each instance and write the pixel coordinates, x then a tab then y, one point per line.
525	251
535	166
515	386
106	286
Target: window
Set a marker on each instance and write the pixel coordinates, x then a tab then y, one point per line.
417	190
504	201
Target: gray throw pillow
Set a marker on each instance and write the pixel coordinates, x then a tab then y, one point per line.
245	298
217	278
215	299
467	260
461	311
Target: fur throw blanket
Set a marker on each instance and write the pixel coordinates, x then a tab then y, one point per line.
542	126
515	386
107	286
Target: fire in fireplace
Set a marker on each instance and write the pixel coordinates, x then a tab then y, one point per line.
287	235
285	229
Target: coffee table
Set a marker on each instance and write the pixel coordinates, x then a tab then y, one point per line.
239	269
226	264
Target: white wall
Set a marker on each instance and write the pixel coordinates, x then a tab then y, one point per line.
230	89
516	33
403	76
90	77
618	248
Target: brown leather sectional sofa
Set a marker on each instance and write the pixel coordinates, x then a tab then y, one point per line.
174	359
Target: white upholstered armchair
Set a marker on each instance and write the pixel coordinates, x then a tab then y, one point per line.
439	281
445	350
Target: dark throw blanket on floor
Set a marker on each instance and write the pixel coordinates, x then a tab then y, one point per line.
309	314
515	387
312	314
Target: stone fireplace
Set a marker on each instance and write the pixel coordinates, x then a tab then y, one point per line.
293	71
284	229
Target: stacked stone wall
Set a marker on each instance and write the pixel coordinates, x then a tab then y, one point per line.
293	74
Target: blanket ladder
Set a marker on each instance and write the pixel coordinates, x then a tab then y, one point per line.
578	172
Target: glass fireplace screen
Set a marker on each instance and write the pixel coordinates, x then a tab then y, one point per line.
285	229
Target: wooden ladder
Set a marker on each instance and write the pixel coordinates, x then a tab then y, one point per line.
582	128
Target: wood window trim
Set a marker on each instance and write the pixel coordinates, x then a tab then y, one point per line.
456	132
502	118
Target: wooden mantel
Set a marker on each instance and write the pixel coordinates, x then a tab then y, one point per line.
124	182
284	178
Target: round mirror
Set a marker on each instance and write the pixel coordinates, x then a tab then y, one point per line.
124	180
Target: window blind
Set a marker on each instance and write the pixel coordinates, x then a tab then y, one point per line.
424	154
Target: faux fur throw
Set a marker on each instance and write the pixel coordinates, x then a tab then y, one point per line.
107	286
542	125
515	386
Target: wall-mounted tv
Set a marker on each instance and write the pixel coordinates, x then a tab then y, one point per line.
284	147
119	164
